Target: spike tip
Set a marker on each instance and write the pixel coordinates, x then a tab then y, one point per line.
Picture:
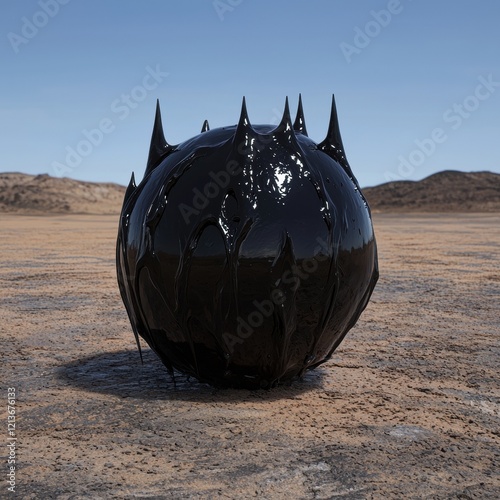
300	124
243	129
333	141
159	146
286	120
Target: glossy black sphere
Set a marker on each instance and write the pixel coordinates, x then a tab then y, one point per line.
247	252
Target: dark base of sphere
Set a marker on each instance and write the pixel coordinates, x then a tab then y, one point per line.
213	370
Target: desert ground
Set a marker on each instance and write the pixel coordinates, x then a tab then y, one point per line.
408	406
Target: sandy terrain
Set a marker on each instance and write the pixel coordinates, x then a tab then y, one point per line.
408	407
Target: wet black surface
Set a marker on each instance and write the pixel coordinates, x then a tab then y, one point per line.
246	253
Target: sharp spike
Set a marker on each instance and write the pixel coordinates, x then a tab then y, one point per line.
333	146
286	122
300	124
130	188
243	129
333	128
205	127
333	141
243	121
159	146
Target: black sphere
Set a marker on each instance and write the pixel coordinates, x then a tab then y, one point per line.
247	252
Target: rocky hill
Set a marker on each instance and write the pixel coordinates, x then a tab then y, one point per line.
447	191
43	194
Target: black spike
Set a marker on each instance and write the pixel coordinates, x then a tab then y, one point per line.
159	146
243	129
333	146
286	121
244	122
205	127
285	127
130	188
300	124
333	141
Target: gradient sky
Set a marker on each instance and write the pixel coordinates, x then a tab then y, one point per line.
417	85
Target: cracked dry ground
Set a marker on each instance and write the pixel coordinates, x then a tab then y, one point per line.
408	407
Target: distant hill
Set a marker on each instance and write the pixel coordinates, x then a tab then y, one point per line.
447	191
43	194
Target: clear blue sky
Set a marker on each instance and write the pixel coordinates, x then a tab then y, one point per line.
421	70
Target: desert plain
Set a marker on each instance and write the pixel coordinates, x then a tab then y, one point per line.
408	406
